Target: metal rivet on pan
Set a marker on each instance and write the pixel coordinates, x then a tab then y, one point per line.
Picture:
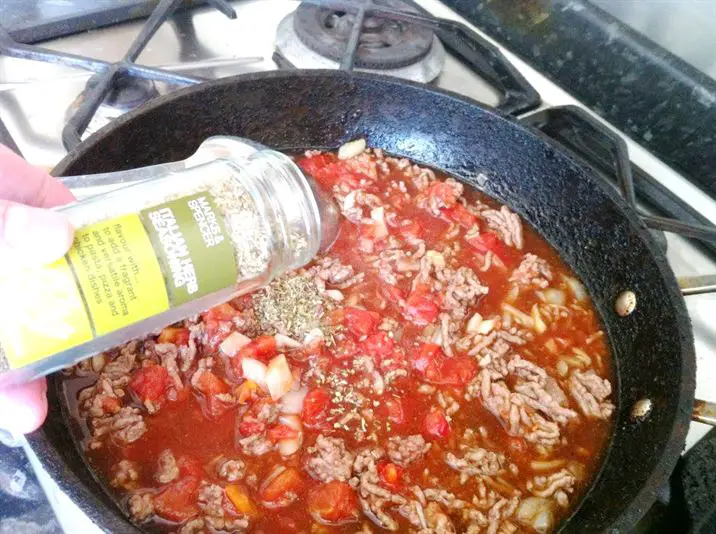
625	303
641	409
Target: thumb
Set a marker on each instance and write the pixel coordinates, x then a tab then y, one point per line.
32	236
23	408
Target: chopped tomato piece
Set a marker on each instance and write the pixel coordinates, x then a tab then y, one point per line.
410	230
288	480
435	424
391	475
218	323
281	431
461	215
489	242
262	348
333	503
150	383
111	404
190	467
393	294
458	371
379	345
177	502
222	312
251	426
360	322
431	362
210	384
347	350
322	167
420	308
373	231
175	335
328	171
443	191
315	407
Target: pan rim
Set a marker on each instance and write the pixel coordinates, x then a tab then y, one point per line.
675	441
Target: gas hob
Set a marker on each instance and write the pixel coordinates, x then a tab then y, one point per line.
38	99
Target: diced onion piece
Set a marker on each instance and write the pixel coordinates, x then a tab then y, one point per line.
582	356
292	402
551	345
539	325
555	296
506	320
473	324
275	472
547	465
314	336
278	377
365	245
255	371
562	368
378	216
537	513
378	383
290	446
437	336
543	521
350	200
577	469
98	362
436	258
291	421
576	286
487	326
351	149
519	316
513	293
231	345
285	342
334	294
572	361
287	447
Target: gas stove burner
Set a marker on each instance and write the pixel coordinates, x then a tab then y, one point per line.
127	94
384	43
388	47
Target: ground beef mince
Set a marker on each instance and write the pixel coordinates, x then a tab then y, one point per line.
439	371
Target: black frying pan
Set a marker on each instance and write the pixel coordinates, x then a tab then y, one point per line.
588	224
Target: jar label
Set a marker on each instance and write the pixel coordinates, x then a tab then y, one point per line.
118	272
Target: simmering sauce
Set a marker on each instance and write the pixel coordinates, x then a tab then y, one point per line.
439	370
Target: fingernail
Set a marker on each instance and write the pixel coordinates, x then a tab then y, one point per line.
36	236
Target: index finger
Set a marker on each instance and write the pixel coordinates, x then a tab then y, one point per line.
26	184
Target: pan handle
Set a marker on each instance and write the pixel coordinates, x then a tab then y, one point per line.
704	412
697	285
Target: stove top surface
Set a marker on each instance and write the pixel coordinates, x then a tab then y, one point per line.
36	99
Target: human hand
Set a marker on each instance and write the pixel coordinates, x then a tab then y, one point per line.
31	235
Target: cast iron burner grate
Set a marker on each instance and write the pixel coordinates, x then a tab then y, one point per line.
383	43
482	57
478	54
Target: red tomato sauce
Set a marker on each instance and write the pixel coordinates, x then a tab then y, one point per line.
490	374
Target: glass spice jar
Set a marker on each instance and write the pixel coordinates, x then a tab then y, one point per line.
185	237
